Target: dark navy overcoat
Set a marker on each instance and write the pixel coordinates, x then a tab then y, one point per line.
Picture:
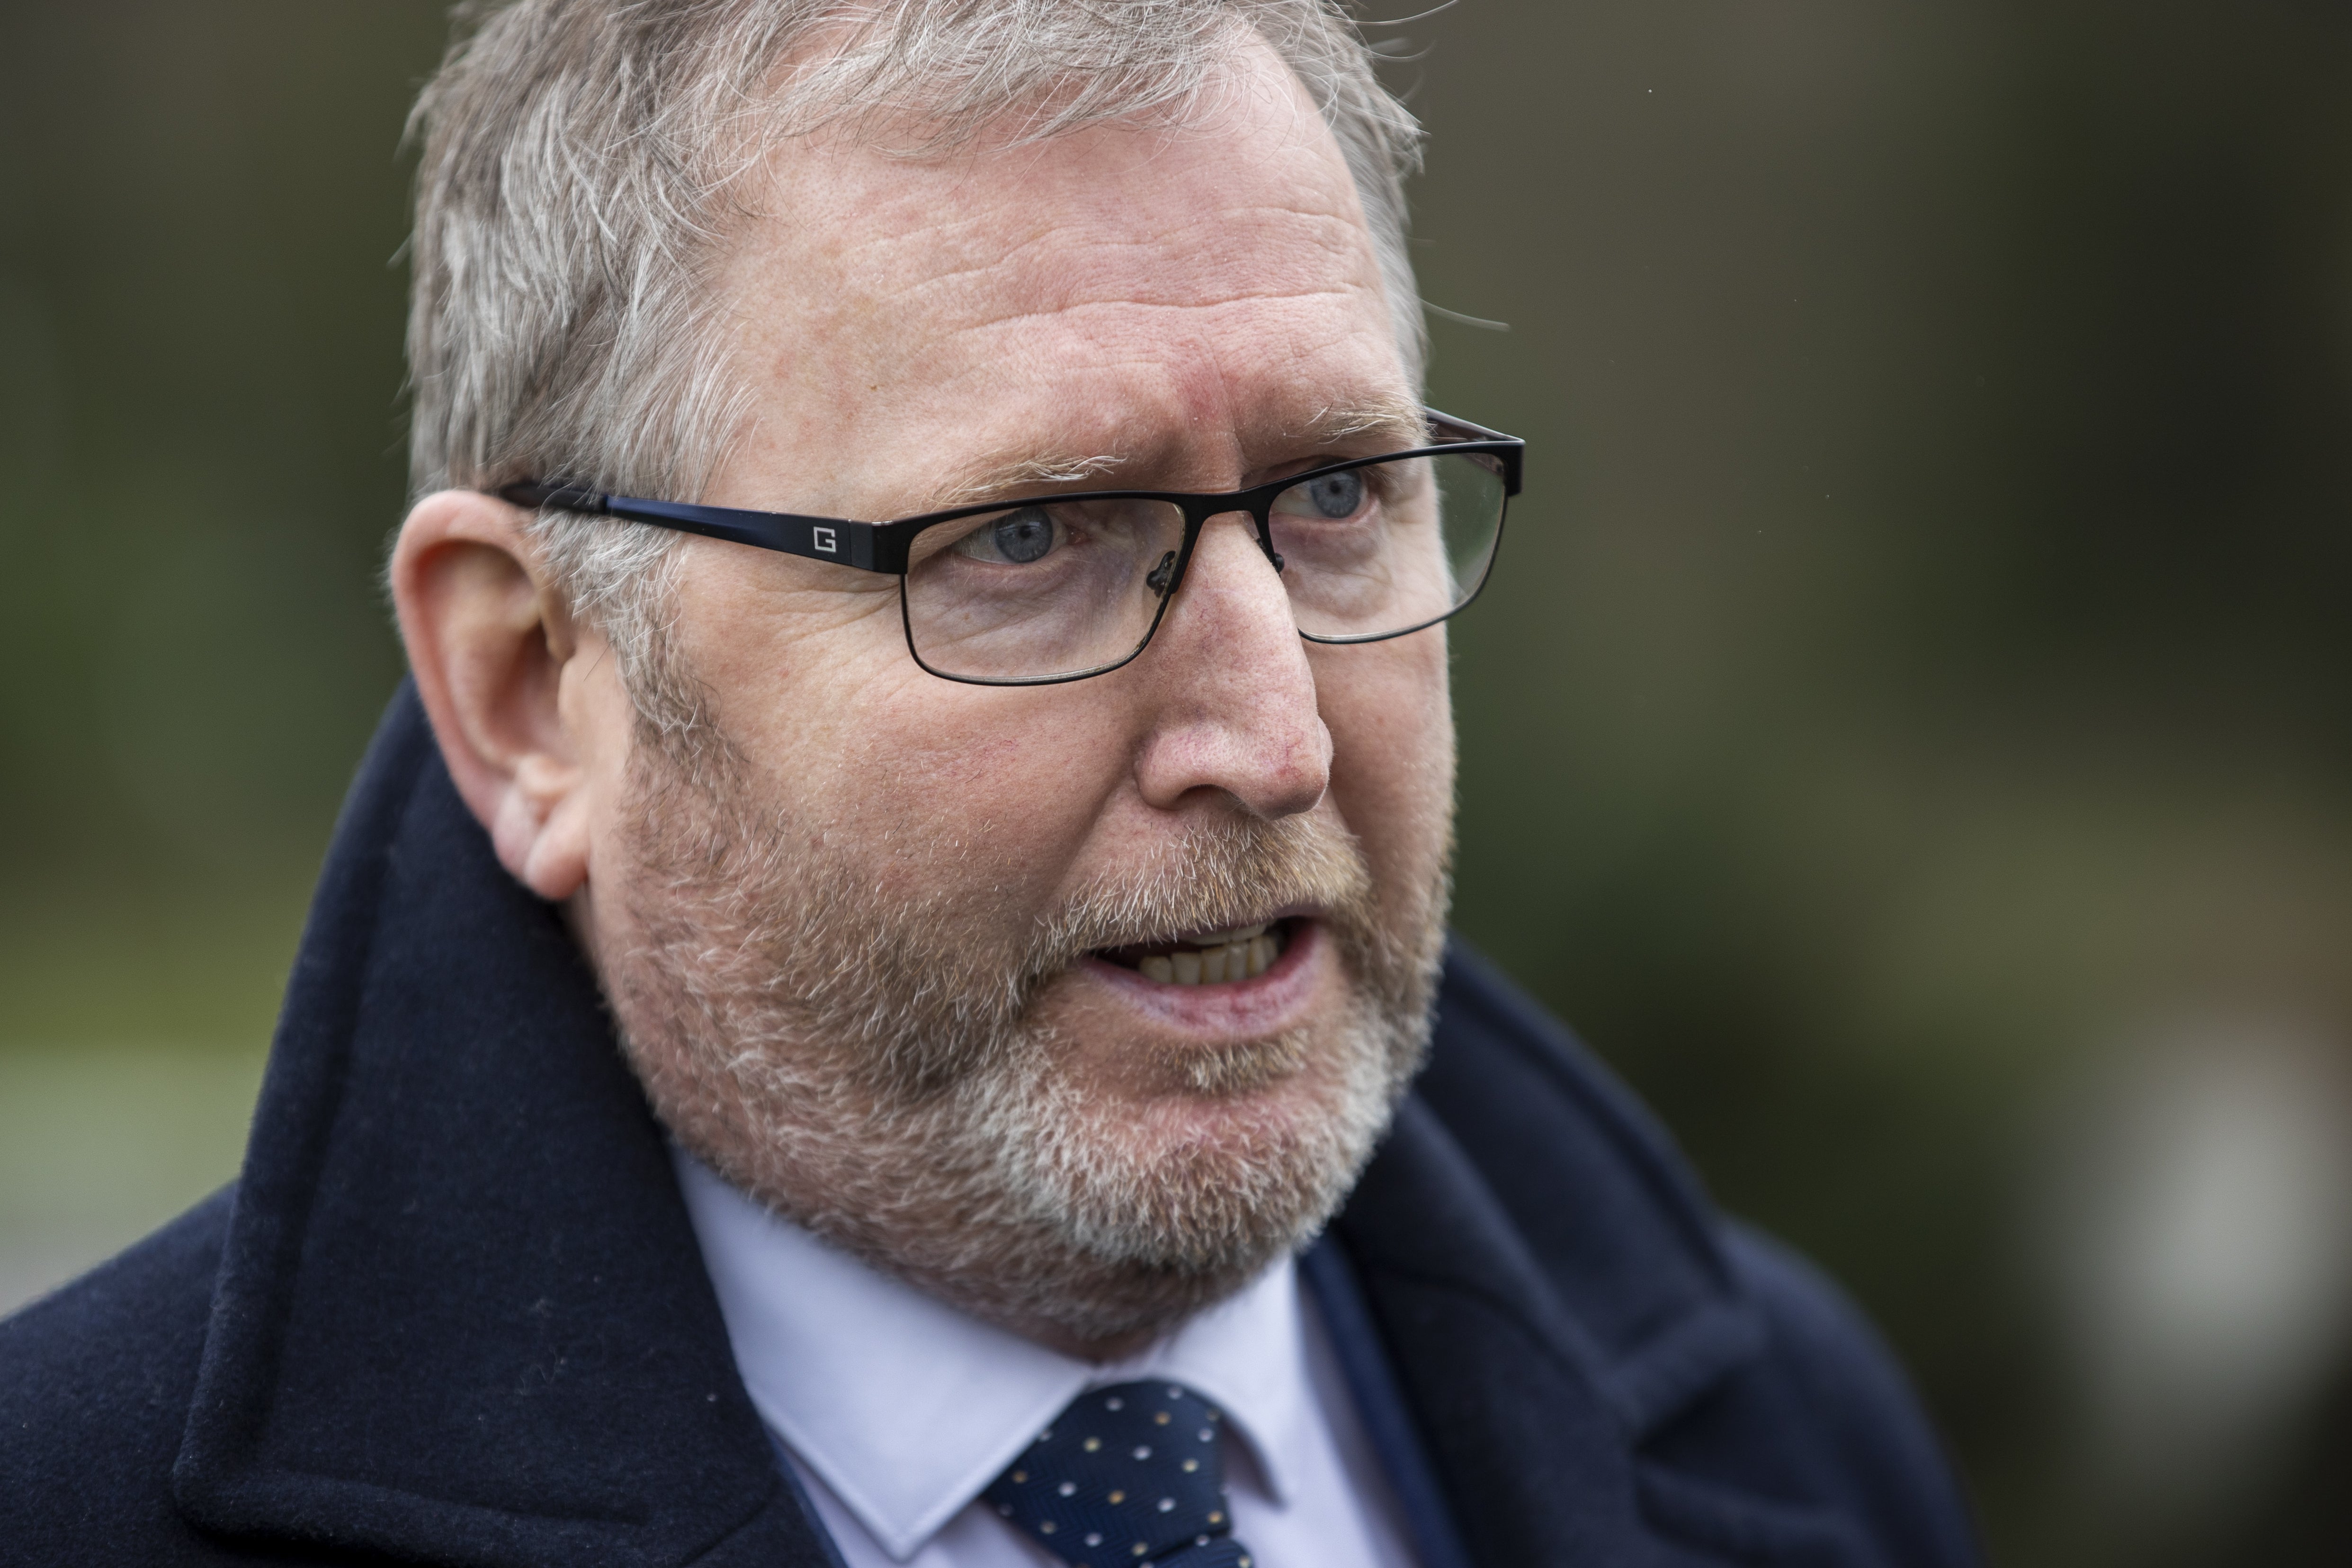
452	1311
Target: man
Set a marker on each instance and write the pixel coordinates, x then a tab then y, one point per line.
869	1004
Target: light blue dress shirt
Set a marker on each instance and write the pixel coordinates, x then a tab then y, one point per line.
896	1409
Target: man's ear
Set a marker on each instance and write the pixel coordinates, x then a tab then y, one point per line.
490	645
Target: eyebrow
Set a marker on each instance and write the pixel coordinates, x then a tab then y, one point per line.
1009	476
1399	419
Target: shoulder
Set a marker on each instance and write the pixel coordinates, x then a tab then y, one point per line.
1865	1439
95	1383
1760	1398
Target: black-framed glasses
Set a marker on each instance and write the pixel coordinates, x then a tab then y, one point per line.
1058	588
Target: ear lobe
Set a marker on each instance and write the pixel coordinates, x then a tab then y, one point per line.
489	644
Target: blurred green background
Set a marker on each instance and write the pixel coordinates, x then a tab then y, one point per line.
1912	739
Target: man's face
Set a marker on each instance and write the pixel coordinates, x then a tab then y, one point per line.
876	949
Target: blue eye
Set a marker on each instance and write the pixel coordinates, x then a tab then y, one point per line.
1023	536
1335	494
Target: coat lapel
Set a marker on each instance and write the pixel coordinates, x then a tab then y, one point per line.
1553	1295
1510	1393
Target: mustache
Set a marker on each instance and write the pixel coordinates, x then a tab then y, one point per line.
1216	875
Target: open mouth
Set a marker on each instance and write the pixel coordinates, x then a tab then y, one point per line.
1208	957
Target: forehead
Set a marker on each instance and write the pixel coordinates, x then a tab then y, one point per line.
1177	298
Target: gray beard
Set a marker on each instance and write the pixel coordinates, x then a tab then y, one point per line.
874	1068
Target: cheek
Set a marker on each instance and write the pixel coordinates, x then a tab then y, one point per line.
984	798
595	707
975	788
786	654
1391	715
944	790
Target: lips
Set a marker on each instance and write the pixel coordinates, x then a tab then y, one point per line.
1207	957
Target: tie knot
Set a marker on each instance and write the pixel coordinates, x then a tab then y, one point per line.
1131	1473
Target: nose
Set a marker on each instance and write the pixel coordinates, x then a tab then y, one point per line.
1233	697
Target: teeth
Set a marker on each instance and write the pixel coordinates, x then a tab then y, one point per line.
1224	938
1250	954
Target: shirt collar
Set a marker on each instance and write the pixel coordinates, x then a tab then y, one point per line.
907	1407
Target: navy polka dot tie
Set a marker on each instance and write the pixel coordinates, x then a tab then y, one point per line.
1128	1474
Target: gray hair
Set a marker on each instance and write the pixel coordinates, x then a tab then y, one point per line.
575	186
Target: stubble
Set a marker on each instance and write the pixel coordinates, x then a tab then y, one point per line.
887	1071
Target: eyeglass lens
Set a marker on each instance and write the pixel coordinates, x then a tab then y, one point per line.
1060	588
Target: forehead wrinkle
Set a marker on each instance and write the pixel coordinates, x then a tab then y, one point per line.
1095	336
1042	250
968	299
1080	316
1306	381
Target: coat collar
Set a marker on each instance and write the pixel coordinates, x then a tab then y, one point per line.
460	1313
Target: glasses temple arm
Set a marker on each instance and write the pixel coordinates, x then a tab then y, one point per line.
838	539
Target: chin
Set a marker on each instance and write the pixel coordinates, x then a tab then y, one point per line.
1238	1153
